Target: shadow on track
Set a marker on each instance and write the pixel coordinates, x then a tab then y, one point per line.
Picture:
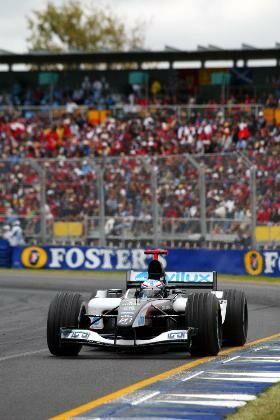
137	354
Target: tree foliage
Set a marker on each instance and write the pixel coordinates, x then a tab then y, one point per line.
80	26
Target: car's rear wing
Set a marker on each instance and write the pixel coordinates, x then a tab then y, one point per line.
177	280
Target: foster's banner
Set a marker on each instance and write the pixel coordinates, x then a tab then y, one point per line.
255	263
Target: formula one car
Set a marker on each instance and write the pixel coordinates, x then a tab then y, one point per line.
182	309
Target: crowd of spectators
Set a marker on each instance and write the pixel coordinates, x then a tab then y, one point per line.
89	93
135	144
98	93
156	132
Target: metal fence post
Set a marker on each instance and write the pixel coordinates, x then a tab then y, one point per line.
102	239
202	195
155	205
43	225
41	170
253	199
202	201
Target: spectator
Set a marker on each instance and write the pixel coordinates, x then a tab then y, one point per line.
16	235
7	233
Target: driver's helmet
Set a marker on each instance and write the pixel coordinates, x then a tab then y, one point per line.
151	289
155	270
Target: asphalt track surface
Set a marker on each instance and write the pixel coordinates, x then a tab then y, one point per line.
36	385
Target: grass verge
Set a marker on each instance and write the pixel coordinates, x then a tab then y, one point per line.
266	406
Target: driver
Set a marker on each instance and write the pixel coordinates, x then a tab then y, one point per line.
153	287
155	270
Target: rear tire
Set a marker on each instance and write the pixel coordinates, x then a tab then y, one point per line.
203	312
64	311
235	327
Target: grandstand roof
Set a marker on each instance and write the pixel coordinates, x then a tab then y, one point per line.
170	55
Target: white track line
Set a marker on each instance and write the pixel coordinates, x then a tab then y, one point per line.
269	349
18	355
192	376
218	403
230	360
147	397
250	374
252	360
261	358
244	379
234	397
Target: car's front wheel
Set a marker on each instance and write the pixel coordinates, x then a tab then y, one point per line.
64	311
203	313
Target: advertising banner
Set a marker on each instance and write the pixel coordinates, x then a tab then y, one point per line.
252	262
5	254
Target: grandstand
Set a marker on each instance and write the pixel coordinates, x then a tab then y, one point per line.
170	157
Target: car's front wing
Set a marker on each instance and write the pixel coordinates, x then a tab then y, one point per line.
92	338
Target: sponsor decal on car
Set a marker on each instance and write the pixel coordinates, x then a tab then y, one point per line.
143	276
79	335
190	277
180	277
125	319
75	334
177	335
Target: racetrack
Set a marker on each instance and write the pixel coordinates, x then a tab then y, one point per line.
36	385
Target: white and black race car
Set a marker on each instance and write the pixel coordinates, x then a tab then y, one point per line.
158	308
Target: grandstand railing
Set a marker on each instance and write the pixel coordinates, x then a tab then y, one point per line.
181	111
188	111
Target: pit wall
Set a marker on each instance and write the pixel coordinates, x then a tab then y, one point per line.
242	262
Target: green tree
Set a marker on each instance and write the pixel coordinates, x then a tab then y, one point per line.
80	26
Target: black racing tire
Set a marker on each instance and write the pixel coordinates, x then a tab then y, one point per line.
235	327
203	312
64	311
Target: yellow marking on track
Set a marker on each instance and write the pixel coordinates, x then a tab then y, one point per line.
145	382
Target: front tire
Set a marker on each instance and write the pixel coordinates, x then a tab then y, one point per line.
235	327
203	312
64	311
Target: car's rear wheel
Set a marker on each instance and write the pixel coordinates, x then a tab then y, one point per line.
203	313
235	327
64	311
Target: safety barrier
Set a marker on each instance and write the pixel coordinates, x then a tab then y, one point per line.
106	259
5	254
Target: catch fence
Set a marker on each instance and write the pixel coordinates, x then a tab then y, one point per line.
176	201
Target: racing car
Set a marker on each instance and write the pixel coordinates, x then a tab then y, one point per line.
158	308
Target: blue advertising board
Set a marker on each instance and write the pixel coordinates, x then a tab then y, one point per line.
89	258
5	254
